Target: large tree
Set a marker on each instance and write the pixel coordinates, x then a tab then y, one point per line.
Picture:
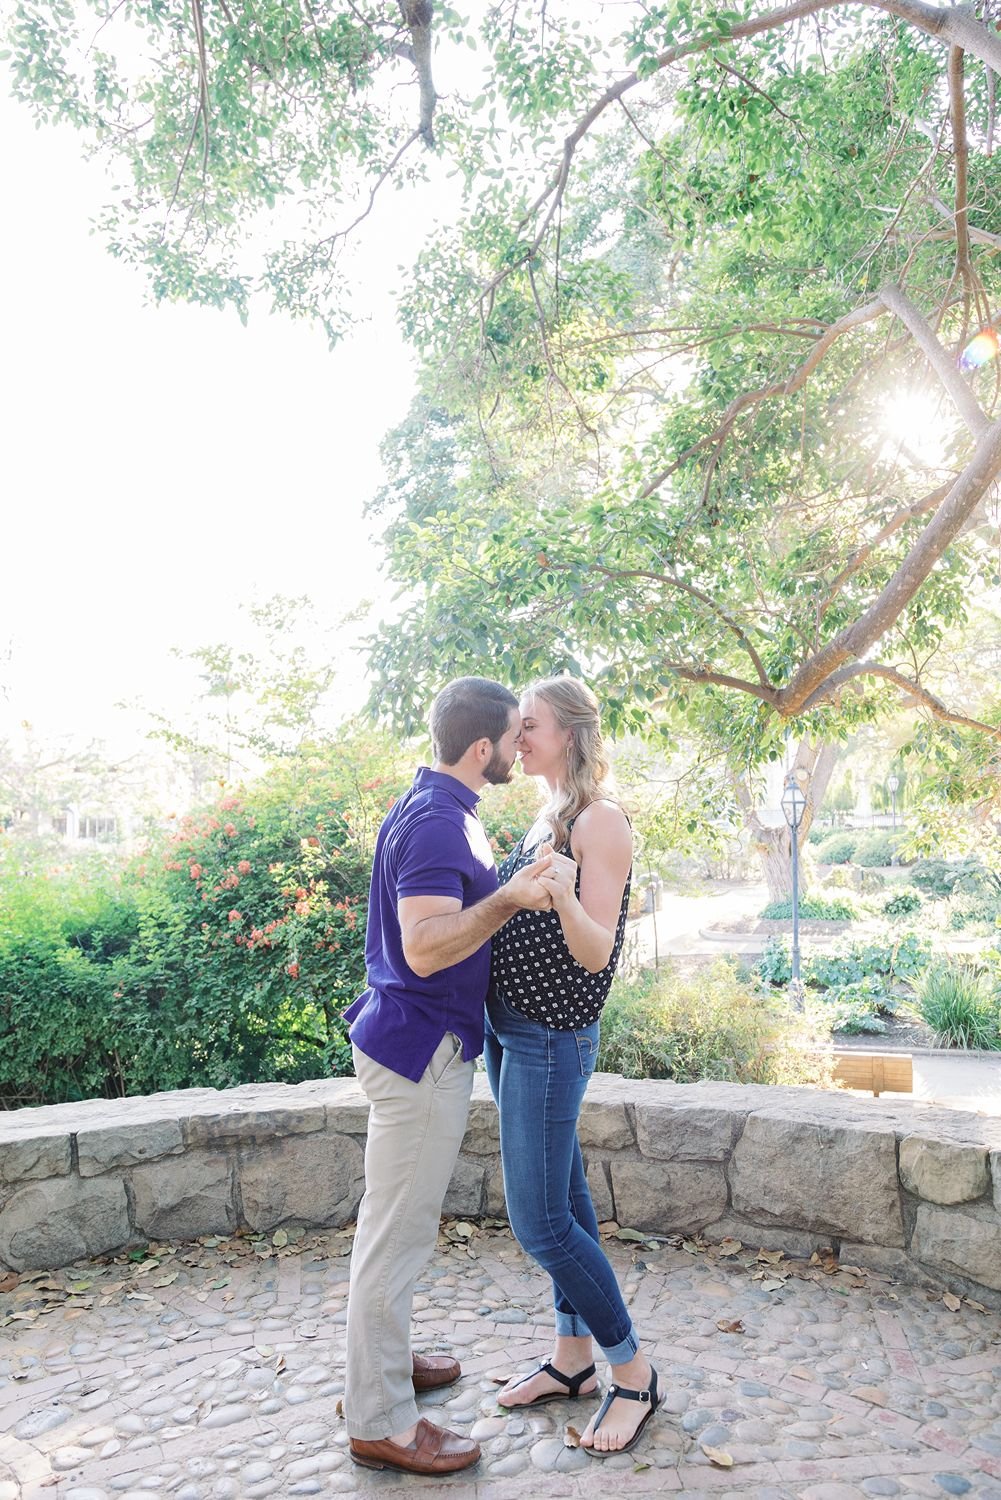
709	360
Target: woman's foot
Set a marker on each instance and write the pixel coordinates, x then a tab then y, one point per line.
616	1424
541	1386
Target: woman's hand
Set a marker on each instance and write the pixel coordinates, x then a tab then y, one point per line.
559	877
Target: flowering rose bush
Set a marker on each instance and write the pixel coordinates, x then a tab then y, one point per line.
224	953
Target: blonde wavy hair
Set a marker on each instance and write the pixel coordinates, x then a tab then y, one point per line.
588	774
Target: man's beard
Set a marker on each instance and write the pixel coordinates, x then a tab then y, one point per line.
497	771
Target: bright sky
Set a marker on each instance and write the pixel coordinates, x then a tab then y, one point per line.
164	465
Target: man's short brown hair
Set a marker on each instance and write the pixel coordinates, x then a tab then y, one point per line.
467	710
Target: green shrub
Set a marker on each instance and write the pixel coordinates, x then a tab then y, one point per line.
818	835
901	959
940	877
903	903
818	908
837	849
858	1007
972	908
832	970
711	1024
877	848
224	954
960	1005
775	966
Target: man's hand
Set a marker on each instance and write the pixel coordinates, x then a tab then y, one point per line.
559	877
527	888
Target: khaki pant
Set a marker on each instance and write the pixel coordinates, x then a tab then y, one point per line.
414	1134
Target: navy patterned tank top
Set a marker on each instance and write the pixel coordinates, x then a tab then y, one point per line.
534	969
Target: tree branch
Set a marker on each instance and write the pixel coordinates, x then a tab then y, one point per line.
798	378
938	357
670	581
858	638
861	554
958	26
907	685
417	15
961	154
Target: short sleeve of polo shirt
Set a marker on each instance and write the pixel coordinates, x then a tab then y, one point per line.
432	859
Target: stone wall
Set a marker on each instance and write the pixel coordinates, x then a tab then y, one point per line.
906	1188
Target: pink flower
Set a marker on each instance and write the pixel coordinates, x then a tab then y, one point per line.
244	867
236	916
195	871
230	830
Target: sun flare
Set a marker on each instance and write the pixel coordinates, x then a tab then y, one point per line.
918	428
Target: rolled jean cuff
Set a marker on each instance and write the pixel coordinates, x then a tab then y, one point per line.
570	1325
621	1354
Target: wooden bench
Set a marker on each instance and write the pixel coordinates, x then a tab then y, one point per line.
880	1072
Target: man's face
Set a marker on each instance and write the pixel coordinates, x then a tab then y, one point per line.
497	771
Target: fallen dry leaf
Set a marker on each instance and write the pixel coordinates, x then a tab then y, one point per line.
951	1302
571	1438
770	1257
717	1456
630	1234
338	1407
977	1306
772	1286
730	1247
280	1365
280	1238
730	1325
167	1280
608	1227
9	1281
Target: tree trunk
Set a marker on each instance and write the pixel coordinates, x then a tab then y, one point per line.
773	844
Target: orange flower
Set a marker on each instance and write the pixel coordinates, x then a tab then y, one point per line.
195	871
292	971
244	867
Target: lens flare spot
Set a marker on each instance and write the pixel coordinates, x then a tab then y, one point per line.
984	347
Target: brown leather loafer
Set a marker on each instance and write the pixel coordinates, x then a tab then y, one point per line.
434	1370
434	1450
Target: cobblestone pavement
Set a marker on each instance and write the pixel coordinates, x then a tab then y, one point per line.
213	1371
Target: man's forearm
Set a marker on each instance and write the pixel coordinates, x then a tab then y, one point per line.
438	942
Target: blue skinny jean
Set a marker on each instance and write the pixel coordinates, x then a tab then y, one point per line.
538	1077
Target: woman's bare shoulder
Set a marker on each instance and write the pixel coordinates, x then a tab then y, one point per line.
601	822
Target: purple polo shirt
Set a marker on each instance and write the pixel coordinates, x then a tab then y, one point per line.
430	844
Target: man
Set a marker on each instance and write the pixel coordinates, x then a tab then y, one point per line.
416	1031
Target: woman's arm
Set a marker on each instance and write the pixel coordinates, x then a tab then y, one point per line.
603	847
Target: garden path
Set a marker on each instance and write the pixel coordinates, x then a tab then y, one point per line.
213	1371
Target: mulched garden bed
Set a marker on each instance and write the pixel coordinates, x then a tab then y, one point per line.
901	1035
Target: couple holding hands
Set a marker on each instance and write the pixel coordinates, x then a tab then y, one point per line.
555	913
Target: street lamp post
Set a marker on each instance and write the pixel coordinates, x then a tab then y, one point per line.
892	782
793	807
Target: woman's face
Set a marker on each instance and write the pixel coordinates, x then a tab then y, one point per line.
542	744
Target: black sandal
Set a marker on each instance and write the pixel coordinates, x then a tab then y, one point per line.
651	1396
573	1384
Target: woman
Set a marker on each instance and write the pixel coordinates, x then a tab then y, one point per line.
551	973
